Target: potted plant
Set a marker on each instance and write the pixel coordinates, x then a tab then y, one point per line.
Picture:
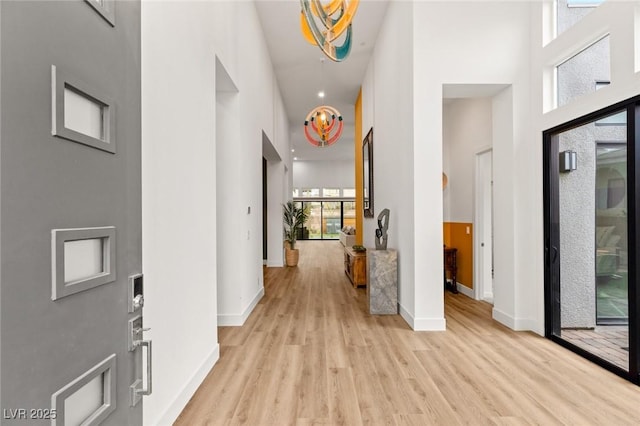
293	218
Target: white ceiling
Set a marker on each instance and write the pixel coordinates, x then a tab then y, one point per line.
302	70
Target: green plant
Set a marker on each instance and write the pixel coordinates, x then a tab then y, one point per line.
293	217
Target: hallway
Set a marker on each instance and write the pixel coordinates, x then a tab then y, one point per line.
310	354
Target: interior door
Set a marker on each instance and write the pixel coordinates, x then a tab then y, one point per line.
484	209
70	210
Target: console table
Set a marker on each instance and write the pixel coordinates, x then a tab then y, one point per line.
355	266
450	266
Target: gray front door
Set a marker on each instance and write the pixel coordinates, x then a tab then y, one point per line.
70	212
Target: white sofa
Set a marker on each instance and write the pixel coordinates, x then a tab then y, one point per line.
347	239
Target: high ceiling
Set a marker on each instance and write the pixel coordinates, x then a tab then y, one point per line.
302	70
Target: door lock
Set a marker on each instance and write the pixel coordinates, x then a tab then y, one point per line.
136	293
138	302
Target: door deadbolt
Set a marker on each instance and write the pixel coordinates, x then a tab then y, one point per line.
138	302
136	292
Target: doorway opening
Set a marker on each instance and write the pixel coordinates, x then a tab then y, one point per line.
476	118
264	211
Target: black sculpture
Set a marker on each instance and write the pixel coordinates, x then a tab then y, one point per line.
381	232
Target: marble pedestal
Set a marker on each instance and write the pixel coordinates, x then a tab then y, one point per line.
382	281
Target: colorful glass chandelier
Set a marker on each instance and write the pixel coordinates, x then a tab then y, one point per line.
326	125
335	16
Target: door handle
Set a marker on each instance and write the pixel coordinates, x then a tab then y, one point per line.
147	391
555	254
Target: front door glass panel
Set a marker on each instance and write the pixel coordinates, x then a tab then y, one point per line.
593	234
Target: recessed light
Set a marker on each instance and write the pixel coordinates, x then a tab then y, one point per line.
293	150
295	158
321	94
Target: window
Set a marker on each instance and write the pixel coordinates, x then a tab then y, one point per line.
571	12
331	192
326	219
313	192
576	75
584	3
349	192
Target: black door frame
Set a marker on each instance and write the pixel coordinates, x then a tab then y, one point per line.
552	233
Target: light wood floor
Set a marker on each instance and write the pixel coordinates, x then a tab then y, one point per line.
310	354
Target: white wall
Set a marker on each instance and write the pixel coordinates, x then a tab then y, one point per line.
239	162
465	43
323	174
182	199
466	129
387	94
277	186
432	44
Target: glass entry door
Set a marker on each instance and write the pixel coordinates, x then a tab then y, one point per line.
331	220
314	223
589	276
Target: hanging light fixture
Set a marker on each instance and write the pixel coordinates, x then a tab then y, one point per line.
323	125
326	125
335	16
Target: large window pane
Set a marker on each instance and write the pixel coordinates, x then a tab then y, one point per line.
310	192
349	213
581	74
611	234
572	11
314	223
594	241
331	192
326	219
331	218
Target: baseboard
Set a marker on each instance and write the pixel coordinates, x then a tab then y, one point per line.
422	324
175	408
527	324
271	264
226	320
517	324
503	318
430	324
406	315
465	290
488	298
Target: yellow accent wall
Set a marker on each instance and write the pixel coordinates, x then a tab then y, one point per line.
358	169
455	236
